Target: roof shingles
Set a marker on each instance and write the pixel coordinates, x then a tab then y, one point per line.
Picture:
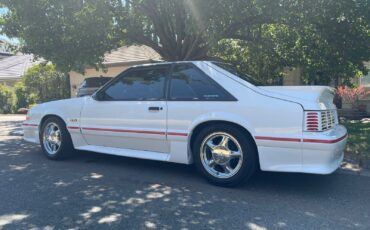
134	53
13	67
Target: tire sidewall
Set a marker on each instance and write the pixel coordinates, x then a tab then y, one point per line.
249	161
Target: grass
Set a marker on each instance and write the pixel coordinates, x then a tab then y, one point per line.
358	144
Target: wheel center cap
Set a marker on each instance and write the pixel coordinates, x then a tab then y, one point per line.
53	138
221	155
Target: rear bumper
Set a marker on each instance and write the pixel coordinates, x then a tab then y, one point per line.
322	153
312	152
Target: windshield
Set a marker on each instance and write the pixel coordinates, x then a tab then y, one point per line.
231	69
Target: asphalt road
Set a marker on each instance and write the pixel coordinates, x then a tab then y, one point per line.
92	191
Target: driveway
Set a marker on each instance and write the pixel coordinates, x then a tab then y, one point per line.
92	191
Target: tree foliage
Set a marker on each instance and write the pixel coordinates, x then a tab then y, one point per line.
41	83
328	39
334	38
6	99
70	33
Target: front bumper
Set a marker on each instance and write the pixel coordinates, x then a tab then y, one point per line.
322	153
31	132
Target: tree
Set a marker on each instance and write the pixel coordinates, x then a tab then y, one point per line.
264	57
76	33
41	83
327	38
186	29
333	38
70	33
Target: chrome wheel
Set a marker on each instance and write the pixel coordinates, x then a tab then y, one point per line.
51	138
221	155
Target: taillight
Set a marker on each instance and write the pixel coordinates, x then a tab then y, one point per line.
316	121
312	121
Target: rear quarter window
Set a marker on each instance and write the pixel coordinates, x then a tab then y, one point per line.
190	83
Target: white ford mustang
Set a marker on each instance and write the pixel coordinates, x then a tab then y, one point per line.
202	112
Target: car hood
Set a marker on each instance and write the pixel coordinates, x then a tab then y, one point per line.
310	97
63	102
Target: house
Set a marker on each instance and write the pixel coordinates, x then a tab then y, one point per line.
115	62
4	46
12	67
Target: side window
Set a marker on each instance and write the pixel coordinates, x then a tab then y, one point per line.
136	85
189	83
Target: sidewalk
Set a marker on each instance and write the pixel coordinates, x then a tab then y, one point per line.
11	125
12	117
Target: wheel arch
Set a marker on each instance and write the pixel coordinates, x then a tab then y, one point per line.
46	116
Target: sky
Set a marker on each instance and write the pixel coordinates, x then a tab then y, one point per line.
3	11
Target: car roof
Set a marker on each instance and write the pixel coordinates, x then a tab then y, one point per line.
166	63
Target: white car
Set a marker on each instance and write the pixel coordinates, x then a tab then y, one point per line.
202	112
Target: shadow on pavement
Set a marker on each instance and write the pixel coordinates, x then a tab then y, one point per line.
94	191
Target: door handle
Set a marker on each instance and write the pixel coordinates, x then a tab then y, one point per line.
155	108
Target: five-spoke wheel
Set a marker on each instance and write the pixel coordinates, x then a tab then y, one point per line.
52	138
55	140
225	154
221	155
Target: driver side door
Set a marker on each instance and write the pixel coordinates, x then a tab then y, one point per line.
130	112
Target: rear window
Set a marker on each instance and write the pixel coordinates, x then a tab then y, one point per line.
95	82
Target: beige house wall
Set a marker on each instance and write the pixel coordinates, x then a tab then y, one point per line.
76	78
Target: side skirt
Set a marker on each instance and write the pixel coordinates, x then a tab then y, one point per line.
126	152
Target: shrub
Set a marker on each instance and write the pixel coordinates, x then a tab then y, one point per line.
44	83
21	100
6	99
41	83
351	95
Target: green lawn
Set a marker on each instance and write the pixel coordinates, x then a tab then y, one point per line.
358	138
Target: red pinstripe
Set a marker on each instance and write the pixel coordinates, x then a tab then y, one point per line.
135	131
278	139
177	134
299	140
324	141
32	125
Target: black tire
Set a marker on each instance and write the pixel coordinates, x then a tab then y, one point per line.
249	162
66	148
